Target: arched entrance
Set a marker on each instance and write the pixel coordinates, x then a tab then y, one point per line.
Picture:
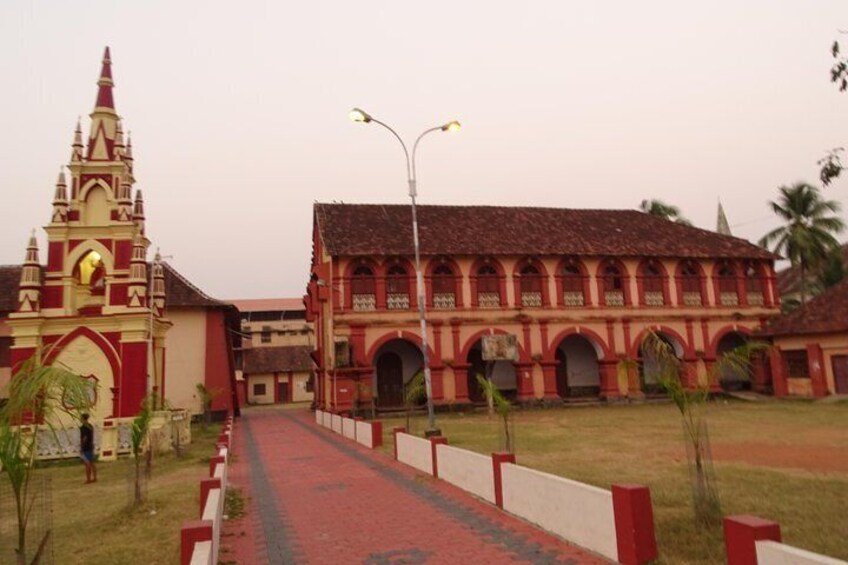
578	374
649	366
397	362
730	379
503	375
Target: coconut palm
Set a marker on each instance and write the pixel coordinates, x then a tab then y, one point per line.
659	208
808	233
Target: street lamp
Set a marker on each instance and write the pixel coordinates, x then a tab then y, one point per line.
361	116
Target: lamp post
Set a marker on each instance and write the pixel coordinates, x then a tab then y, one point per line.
360	116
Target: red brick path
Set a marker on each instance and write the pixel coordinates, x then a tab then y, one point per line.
315	497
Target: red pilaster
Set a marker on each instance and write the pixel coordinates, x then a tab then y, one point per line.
741	534
524	378
815	359
435	441
611	334
525	330
543	333
634	524
499	459
609	378
357	343
460	376
549	372
133	383
437	380
778	372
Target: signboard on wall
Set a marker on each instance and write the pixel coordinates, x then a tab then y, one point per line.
500	347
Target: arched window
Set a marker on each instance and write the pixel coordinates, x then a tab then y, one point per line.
397	288
690	285
531	287
754	286
363	289
613	285
572	286
728	292
488	287
653	287
444	287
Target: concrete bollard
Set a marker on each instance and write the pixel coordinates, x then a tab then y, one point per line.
634	524
434	441
499	459
741	533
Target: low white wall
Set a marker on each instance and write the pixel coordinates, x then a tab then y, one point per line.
202	554
364	434
337	423
776	553
469	471
579	513
214	511
328	420
416	452
349	428
319	417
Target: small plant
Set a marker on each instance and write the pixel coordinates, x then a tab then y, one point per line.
413	394
502	406
140	429
207	397
234	503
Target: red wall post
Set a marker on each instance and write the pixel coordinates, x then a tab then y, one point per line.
191	533
215	460
634	524
741	533
815	359
499	459
377	435
205	486
395	431
434	441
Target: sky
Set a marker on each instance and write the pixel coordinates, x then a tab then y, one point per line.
239	112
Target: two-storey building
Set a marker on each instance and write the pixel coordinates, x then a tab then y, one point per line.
579	288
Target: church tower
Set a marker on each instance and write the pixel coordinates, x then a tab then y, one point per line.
90	307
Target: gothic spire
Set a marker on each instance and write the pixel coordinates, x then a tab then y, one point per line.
722	225
29	291
138	210
105	102
76	151
60	200
104	120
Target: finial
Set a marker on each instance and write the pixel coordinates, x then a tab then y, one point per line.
105	84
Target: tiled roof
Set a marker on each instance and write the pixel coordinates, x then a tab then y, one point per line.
268	304
277	359
179	292
826	313
789	279
375	229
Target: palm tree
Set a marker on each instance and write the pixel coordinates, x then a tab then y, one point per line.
659	208
807	237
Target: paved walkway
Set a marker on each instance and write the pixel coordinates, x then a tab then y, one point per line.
315	497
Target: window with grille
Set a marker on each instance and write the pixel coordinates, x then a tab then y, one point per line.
797	364
690	285
728	293
531	287
572	286
363	289
397	288
266	334
613	286
488	287
652	286
444	288
258	389
754	286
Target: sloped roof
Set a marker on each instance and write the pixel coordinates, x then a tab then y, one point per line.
268	304
385	229
179	292
277	359
826	313
789	279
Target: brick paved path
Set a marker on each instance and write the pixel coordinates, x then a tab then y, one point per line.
315	497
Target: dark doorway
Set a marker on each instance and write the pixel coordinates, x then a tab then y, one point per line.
283	391
478	367
389	380
561	373
840	373
732	379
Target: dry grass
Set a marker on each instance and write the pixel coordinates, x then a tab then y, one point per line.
644	444
93	524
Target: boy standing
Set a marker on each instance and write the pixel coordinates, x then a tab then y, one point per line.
87	449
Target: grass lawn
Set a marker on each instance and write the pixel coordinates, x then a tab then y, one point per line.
782	460
92	524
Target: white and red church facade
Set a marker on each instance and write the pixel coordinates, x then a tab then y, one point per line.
579	289
97	306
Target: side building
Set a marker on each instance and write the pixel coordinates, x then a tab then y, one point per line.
275	364
580	289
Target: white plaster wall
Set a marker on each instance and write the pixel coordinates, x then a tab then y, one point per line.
85	357
416	452
319	417
775	553
364	434
261	378
185	358
299	392
328	420
202	554
349	428
469	471
579	513
336	424
213	511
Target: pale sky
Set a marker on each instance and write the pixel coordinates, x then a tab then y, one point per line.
238	112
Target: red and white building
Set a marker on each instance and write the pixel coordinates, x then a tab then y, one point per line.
98	306
579	288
